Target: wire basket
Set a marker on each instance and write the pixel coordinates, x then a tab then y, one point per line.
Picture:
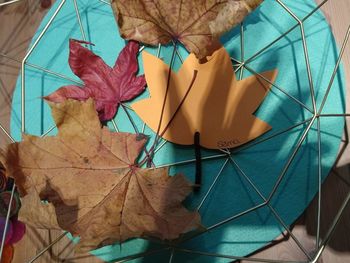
241	65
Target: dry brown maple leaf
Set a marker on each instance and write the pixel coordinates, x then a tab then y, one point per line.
217	105
3	177
2	160
197	24
89	178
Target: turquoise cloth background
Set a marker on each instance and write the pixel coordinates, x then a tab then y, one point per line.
262	163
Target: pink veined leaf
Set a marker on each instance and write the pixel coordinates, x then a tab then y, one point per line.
9	230
107	86
19	230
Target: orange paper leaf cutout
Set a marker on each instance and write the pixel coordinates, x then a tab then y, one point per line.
93	187
218	105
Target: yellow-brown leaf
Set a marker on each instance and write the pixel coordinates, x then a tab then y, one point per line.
90	179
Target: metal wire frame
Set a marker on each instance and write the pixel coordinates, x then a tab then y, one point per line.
241	65
9	2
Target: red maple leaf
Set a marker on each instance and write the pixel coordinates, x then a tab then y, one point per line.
107	86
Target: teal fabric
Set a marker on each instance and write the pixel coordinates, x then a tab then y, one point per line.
262	163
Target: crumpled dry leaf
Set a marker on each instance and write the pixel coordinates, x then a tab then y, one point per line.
107	86
2	167
3	176
217	105
36	212
2	159
89	177
197	24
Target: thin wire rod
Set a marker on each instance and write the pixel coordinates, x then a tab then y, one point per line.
225	150
62	76
134	127
47	247
279	88
105	2
191	161
6	133
140	255
284	34
127	106
212	184
238	68
79	20
271	208
235	257
24	61
318	255
247	211
171	255
334	115
130	119
9	2
236	61
332	228
235	217
4	234
336	220
255	142
179	55
306	55
291	158
158	50
238	64
141	49
319	196
115	125
247	179
242	50
280	220
160	146
79	83
48	131
346	39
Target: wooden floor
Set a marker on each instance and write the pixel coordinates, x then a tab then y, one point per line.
18	22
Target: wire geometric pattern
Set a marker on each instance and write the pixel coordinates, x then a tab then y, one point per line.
240	65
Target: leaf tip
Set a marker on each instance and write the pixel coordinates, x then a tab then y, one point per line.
72	40
253	4
141	137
